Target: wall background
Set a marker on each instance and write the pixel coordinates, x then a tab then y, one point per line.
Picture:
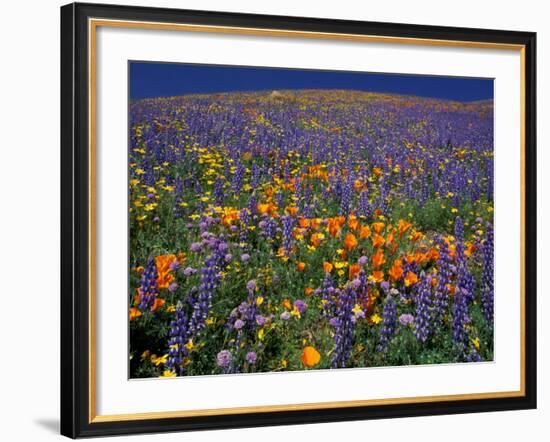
29	218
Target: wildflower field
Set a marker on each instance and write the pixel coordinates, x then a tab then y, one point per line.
308	229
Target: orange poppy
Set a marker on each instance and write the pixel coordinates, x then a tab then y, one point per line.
304	223
286	304
292	210
416	235
163	262
377	276
229	215
308	291
390	238
134	313
158	303
364	232
396	270
378	226
420	257
164	279
315	223
333	227
470	248
164	270
353	222
410	279
354	269
327	267
451	289
300	266
378	259
402	227
310	357
263	208
378	241
433	254
350	242
315	240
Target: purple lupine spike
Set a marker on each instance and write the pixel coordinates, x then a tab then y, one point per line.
464	279
238	178
207	287
279	198
327	294
343	325
365	208
288	240
487	290
255	176
252	203
388	324
218	192
423	309
268	227
148	289
244	216
178	338
460	319
441	295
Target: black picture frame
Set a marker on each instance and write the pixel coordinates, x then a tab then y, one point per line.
75	220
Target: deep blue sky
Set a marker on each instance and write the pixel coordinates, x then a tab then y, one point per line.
168	79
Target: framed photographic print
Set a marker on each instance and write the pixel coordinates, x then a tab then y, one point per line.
279	220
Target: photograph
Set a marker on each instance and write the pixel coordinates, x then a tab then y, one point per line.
297	219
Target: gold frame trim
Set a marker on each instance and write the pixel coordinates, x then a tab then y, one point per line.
93	24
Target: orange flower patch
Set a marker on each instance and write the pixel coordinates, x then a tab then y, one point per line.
291	210
416	235
354	270
134	313
165	276
396	270
353	222
350	242
377	276
420	257
267	208
315	240
378	241
334	227
229	215
358	185
410	279
364	232
315	223
433	254
390	238
378	226
310	357
402	227
470	248
158	303
378	259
